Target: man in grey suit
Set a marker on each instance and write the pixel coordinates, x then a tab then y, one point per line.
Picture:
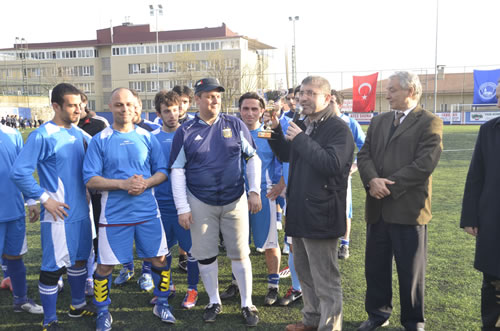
401	150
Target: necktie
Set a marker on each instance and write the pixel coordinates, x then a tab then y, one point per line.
397	120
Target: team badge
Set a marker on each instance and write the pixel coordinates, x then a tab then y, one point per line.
227	133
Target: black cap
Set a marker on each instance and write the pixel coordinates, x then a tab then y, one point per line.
207	84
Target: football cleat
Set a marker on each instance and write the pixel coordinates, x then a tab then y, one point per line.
190	299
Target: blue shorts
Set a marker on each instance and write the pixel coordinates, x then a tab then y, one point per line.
116	242
175	233
13	237
263	225
64	243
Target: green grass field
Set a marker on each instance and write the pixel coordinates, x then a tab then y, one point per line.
453	286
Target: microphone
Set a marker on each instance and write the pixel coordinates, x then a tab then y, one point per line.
297	113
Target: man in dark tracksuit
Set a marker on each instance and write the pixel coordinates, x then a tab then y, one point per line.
320	151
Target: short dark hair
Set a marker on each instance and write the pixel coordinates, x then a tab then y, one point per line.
291	90
62	89
339	97
168	98
184	90
251	95
296	90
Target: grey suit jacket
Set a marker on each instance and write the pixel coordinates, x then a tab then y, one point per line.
408	158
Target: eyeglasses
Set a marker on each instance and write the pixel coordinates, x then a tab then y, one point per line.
309	93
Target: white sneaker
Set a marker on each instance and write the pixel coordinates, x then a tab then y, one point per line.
29	306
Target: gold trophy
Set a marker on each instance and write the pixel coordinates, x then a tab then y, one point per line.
267	132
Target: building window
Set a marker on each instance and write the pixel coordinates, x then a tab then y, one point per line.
138	86
134	68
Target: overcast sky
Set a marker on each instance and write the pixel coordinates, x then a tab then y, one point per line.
332	36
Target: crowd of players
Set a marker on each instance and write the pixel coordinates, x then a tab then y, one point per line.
96	188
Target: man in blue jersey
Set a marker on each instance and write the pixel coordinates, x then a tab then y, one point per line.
208	187
56	150
125	162
13	244
167	106
263	224
186	96
359	139
127	271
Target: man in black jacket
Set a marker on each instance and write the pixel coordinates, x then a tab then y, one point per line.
320	151
481	216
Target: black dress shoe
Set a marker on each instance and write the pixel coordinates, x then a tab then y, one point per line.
371	325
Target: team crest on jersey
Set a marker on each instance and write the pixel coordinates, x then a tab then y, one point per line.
227	133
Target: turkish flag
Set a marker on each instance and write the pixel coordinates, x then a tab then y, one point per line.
364	93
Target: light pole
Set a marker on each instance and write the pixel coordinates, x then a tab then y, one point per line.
157	12
435	58
294	57
22	56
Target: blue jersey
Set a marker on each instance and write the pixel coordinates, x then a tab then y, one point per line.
285	123
57	153
118	155
12	206
212	156
271	167
163	191
357	131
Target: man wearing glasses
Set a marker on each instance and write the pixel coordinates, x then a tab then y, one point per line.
320	150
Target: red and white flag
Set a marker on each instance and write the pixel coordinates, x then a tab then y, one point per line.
364	93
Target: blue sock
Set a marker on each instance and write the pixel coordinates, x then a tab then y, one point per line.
102	287
193	274
129	265
48	296
91	265
161	279
273	280
293	273
169	265
146	267
17	271
77	276
344	242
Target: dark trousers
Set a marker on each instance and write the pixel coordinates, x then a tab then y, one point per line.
407	244
490	303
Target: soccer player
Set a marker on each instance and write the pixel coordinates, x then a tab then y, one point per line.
207	181
186	96
13	243
359	139
127	271
263	224
57	149
92	126
167	107
126	162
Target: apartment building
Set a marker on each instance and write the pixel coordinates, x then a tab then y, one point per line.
147	61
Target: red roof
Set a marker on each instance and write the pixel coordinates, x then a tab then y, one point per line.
135	34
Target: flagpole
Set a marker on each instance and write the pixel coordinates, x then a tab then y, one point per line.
435	57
